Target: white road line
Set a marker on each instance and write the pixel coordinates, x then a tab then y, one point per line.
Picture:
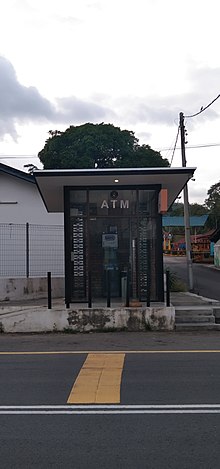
109	412
110	352
110	407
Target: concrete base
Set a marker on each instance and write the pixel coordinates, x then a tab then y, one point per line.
39	319
29	288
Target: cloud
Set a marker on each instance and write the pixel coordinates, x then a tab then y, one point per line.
22	104
159	110
144	135
203	85
198	194
19	103
76	110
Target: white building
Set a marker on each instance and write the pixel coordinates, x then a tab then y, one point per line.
20	200
31	239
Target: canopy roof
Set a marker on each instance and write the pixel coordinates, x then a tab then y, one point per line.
51	182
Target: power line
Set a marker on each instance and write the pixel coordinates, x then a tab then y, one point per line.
204	108
201	145
174	148
169	150
198	145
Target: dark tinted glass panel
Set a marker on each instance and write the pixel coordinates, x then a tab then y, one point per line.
113	232
147	202
78	202
109	254
113	202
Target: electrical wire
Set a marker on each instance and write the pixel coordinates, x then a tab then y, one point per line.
201	145
169	150
204	108
174	148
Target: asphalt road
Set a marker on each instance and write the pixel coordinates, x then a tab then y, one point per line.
206	277
168	416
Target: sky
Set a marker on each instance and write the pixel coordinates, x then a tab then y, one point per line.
135	64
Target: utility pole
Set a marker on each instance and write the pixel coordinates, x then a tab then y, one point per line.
186	208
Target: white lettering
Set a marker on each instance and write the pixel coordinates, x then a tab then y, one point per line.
104	204
124	203
114	203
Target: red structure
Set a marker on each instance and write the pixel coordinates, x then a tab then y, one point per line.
200	246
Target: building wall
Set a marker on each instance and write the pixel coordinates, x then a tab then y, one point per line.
16	289
29	207
45	250
217	254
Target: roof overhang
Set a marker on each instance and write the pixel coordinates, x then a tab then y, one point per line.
16	173
51	182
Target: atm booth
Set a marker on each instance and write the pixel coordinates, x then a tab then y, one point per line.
113	228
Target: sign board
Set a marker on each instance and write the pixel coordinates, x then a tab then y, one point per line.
110	240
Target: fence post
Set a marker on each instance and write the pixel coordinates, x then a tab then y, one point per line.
89	290
127	289
27	250
167	287
108	288
148	273
49	302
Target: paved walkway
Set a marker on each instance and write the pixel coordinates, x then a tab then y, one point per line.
177	299
190	299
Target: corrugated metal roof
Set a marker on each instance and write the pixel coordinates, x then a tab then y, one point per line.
179	221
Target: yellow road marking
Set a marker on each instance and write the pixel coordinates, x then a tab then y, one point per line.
107	352
99	380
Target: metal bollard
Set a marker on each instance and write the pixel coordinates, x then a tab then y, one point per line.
148	273
167	287
127	290
89	290
49	299
108	288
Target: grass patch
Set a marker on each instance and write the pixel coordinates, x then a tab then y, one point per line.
176	284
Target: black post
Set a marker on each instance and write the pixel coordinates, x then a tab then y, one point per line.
108	272
49	302
127	289
167	287
148	272
27	250
89	290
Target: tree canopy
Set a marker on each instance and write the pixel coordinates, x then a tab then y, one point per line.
177	209
97	146
195	209
213	204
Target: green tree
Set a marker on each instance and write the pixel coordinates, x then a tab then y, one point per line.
176	210
195	209
31	167
97	146
213	204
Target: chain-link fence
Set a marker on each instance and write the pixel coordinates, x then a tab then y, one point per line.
31	250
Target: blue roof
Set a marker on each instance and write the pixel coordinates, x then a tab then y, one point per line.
179	221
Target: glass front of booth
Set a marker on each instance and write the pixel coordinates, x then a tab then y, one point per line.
113	236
